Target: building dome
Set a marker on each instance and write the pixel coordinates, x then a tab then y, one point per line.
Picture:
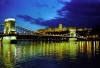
60	26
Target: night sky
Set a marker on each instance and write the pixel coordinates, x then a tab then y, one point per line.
40	14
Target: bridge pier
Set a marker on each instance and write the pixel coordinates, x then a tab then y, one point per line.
9	39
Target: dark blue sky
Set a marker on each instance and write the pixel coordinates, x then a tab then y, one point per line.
39	14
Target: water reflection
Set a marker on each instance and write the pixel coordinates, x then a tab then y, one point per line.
11	54
8	55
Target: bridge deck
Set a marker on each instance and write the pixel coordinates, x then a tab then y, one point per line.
34	35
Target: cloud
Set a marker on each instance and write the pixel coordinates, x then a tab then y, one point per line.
29	19
39	4
62	1
50	23
81	13
76	13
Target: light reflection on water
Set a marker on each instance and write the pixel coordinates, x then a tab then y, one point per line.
12	54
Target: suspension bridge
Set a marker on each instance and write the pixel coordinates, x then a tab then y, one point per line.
23	33
15	31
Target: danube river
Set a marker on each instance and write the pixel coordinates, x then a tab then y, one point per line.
50	54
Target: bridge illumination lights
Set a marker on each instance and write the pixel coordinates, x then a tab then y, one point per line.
10	19
5	38
13	37
72	39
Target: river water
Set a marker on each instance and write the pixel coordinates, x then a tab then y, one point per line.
50	54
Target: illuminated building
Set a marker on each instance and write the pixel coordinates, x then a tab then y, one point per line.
9	26
73	31
60	26
59	29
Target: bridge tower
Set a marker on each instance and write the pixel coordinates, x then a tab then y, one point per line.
9	26
72	32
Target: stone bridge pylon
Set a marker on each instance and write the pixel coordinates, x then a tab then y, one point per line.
9	26
9	29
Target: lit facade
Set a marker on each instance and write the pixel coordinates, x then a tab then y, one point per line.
59	29
71	30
